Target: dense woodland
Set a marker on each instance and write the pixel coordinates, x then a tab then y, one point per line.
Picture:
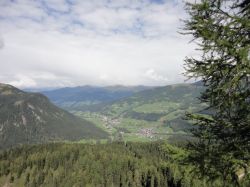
114	164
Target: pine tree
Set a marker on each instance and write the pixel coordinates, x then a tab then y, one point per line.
221	28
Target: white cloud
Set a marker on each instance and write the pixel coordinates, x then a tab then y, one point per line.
91	42
152	74
23	81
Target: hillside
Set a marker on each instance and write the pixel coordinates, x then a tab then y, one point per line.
149	114
31	118
81	97
162	100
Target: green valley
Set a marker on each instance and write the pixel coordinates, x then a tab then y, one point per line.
152	114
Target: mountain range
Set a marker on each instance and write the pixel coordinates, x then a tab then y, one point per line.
82	97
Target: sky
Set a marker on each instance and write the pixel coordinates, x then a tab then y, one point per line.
59	43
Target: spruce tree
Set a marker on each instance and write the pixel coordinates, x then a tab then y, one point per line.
221	29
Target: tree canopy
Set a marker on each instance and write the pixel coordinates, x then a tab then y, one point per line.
221	30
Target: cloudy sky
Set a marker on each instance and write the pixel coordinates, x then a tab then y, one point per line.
56	43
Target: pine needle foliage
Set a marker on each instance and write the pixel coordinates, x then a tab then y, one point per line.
221	29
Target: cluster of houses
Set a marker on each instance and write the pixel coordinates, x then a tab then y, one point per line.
147	132
109	122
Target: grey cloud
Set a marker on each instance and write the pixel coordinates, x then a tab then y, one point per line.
1	43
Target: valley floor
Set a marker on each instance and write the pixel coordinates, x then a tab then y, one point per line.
129	129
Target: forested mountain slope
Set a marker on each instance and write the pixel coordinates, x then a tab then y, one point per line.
31	118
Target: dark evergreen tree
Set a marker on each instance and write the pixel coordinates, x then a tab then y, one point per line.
221	28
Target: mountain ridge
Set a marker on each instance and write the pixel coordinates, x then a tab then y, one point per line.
84	96
31	118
